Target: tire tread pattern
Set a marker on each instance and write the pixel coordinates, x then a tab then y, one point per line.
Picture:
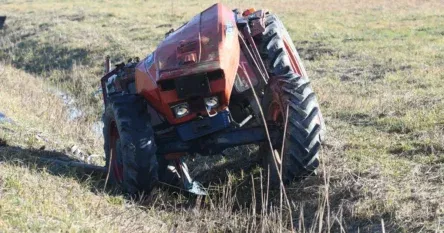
138	148
302	143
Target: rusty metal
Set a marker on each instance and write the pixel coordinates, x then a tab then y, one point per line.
107	64
257	22
255	51
103	81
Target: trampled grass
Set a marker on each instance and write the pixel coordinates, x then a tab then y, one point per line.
377	68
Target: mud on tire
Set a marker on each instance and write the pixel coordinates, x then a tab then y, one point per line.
135	146
305	128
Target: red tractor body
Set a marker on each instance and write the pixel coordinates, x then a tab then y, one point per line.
221	80
205	47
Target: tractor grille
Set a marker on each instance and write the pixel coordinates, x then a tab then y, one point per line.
193	85
170	84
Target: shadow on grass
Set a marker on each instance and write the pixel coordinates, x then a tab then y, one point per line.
40	58
41	160
59	164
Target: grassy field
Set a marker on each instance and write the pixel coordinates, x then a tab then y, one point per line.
377	68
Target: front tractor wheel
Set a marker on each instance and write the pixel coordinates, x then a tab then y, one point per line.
129	144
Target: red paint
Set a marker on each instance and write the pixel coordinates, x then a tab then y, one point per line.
245	71
295	64
209	42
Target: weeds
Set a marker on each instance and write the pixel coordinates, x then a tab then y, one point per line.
376	68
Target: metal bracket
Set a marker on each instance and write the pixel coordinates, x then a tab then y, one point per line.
188	183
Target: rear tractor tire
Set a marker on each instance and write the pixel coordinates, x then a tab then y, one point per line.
305	129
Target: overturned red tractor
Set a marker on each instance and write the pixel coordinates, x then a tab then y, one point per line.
221	80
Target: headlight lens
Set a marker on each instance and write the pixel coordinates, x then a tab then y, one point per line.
211	102
181	110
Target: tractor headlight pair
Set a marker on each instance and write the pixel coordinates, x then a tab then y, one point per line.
183	109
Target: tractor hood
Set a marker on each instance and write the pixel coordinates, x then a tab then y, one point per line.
199	59
181	48
197	46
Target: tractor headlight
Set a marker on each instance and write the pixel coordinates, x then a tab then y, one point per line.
211	102
181	110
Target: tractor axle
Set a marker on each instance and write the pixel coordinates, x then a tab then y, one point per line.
217	142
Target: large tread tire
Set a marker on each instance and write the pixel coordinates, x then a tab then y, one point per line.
272	49
305	129
300	157
136	146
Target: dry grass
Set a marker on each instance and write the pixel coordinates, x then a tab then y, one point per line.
377	68
32	103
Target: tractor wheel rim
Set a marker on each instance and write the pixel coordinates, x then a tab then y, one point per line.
275	115
115	166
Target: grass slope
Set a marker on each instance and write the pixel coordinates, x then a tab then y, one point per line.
376	66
